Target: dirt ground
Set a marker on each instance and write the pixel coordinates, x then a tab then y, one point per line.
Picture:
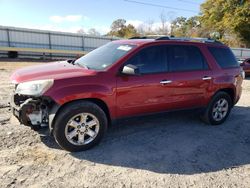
169	150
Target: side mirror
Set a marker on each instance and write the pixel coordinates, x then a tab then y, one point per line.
130	70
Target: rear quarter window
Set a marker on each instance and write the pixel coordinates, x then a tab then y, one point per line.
224	57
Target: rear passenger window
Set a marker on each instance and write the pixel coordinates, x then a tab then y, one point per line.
224	57
150	60
186	58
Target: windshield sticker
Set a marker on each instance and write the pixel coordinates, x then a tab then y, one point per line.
124	48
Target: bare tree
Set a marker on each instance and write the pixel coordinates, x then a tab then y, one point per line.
171	16
141	29
164	27
149	27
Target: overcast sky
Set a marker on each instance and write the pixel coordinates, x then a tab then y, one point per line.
70	16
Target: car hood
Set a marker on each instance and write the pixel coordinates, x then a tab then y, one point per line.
56	70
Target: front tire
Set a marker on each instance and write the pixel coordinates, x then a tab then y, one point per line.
218	109
80	126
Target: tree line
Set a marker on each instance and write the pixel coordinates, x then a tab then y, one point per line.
224	20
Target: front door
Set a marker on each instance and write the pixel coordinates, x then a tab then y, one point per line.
147	92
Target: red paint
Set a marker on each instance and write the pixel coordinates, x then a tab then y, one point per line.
134	95
246	65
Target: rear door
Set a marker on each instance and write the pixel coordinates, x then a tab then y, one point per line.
190	76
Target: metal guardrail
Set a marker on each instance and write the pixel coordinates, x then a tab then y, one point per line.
34	42
37	43
241	53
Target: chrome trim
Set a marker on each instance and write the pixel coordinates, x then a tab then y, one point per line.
166	82
206	78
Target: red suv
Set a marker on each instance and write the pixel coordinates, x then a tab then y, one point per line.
79	99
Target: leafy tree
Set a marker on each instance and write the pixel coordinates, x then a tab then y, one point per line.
230	18
241	23
225	20
130	31
183	27
117	25
120	29
179	27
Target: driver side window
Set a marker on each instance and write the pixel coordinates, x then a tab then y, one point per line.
150	60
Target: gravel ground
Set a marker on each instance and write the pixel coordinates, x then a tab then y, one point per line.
168	150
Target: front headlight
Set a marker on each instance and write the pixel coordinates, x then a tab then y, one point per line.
34	88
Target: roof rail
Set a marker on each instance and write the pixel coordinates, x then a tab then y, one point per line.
138	37
163	37
204	40
148	37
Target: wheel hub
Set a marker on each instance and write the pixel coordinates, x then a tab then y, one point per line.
82	129
220	109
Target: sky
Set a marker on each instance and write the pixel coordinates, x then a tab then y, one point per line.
71	16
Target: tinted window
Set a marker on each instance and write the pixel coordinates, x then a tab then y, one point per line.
150	60
185	58
224	57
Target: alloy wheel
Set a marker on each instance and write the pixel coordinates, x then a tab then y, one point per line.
82	129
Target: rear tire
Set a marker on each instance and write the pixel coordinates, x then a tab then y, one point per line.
218	109
80	126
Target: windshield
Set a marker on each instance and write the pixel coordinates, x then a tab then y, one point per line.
104	56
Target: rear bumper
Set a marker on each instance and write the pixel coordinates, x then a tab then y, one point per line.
238	88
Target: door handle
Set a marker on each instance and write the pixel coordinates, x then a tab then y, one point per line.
165	82
207	78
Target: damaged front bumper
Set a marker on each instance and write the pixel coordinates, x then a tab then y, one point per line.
35	112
